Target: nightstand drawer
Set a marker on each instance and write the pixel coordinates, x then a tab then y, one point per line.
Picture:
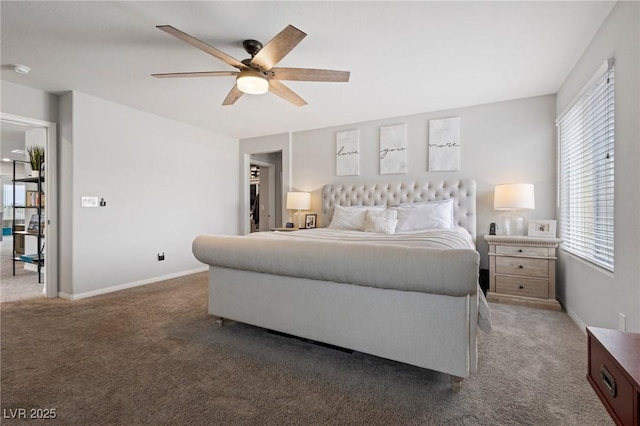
522	286
522	251
522	266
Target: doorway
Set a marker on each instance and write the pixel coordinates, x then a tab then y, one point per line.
18	133
265	193
262	196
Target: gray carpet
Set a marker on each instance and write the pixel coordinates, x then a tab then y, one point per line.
24	285
152	355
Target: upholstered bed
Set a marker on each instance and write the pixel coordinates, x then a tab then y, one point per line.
411	297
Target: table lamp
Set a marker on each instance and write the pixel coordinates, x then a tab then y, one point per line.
298	201
513	197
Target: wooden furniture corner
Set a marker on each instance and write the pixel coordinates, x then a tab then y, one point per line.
614	372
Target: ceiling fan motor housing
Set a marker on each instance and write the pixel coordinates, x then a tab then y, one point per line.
252	47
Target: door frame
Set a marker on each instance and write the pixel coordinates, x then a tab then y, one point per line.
271	191
51	189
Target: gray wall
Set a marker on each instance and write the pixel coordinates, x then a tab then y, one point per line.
592	295
65	194
164	182
511	141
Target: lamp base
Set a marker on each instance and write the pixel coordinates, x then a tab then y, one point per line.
512	224
298	219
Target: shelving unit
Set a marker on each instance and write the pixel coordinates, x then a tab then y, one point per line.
34	202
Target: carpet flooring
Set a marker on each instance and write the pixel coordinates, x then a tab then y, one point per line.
152	355
24	285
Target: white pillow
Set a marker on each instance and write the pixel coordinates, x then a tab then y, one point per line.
429	215
448	201
381	221
350	218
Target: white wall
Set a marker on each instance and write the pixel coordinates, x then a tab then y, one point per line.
28	102
592	296
164	183
511	141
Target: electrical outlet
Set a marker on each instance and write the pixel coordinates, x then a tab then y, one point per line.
622	322
160	256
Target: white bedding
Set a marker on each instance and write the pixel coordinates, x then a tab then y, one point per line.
455	238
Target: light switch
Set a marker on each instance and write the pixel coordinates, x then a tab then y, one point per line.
89	201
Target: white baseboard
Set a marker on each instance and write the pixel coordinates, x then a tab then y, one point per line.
574	317
125	286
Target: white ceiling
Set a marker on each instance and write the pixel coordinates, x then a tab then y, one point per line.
405	58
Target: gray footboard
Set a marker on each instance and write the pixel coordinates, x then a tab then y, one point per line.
408	268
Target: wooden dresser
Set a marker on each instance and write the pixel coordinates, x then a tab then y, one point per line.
614	372
522	270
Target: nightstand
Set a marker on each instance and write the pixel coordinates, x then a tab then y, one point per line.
522	270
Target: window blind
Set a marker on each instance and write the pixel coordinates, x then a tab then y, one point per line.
586	172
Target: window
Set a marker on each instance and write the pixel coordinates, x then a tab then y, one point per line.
586	172
7	202
8	194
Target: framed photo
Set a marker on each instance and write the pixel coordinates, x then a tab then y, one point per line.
542	228
36	224
310	220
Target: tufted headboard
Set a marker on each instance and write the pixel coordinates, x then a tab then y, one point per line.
392	194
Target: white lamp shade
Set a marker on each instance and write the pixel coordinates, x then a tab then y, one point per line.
298	201
514	196
252	82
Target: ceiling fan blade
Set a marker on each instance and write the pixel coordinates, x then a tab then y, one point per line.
285	93
309	74
278	47
233	96
196	74
201	45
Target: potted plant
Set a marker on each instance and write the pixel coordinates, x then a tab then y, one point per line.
36	158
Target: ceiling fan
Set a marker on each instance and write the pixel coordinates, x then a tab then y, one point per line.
258	74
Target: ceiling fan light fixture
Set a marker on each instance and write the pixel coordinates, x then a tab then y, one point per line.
252	82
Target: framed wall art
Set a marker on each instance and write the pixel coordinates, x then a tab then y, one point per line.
444	144
393	149
348	153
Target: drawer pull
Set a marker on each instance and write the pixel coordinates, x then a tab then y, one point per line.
519	250
520	266
608	380
521	287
